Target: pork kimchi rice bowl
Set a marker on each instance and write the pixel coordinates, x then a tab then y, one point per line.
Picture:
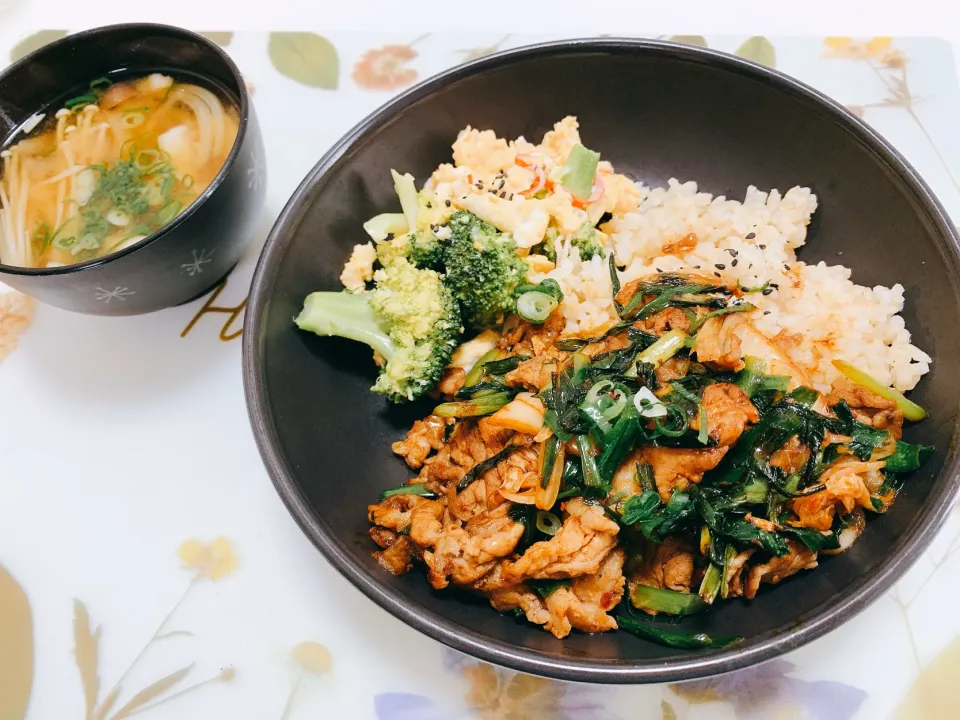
643	403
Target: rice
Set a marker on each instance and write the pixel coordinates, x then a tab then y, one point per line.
752	243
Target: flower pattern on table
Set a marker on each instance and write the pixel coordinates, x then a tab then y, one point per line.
757	692
484	50
891	67
311	659
386	67
16	314
494	693
210	562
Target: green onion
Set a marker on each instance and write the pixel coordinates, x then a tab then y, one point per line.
81	101
728	555
910	410
753	378
758	289
483	405
907	457
99	83
549	286
711	584
591	475
638	508
703	435
481	467
550	451
648	404
666	601
548	523
679	420
536	306
414	489
614	277
169	212
669	344
608	398
476	372
504	365
645	477
675	638
580	171
545	588
742	307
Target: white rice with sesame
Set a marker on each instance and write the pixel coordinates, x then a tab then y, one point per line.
753	242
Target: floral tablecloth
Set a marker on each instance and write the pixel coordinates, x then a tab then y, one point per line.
148	567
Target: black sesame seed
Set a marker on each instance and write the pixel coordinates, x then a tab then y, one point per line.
766	312
786	267
447	203
717	274
734	263
768	291
774	285
511	196
762	247
751	236
389	236
720	266
658	269
429	206
503	194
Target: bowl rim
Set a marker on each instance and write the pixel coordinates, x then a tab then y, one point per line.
244	110
813	624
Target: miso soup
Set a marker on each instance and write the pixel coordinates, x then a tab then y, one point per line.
112	166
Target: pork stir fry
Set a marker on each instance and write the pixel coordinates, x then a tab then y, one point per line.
671	462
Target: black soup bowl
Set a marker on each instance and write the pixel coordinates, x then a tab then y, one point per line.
657	111
194	251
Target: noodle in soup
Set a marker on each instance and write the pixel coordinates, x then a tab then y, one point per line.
112	167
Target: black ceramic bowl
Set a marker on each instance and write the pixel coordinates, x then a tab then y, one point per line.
656	111
199	247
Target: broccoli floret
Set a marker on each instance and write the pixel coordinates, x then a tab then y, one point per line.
410	318
548	248
426	250
422	249
483	270
587	241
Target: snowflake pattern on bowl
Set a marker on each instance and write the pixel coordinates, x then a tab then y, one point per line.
195	266
118	293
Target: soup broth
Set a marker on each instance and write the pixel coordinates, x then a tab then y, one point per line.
112	166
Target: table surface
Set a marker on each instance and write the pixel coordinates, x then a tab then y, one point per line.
164	575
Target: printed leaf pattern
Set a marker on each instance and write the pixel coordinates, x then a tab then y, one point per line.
223	39
35	42
151	691
698	40
934	693
16	648
87	655
306	58
760	50
667	712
